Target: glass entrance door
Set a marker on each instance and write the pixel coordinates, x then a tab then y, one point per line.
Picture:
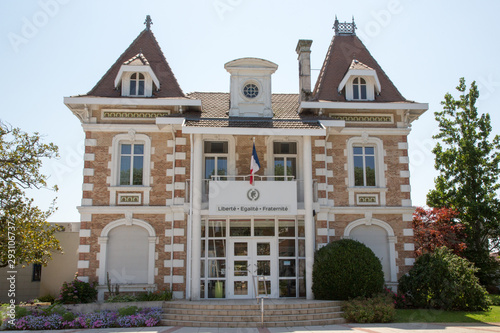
252	268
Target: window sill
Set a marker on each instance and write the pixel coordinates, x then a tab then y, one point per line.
367	189
130	188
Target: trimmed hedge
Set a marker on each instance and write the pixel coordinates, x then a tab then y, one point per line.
346	269
443	280
378	309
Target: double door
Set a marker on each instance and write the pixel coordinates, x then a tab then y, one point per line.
252	268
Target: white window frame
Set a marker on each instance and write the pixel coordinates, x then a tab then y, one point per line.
114	181
357	86
148	83
380	180
364	155
370	88
132	165
137	80
217	156
285	157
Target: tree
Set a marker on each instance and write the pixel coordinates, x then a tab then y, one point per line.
467	159
437	227
25	235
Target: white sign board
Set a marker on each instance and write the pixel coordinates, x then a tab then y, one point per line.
262	198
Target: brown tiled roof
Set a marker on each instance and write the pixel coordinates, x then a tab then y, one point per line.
342	51
215	113
146	45
216	105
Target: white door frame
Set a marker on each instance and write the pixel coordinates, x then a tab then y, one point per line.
252	259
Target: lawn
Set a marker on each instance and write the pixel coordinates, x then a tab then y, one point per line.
440	316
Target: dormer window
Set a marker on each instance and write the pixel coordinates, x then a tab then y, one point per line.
137	84
137	78
360	83
359	88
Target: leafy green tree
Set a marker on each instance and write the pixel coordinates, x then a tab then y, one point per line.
25	235
467	158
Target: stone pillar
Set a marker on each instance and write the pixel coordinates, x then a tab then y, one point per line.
308	220
196	217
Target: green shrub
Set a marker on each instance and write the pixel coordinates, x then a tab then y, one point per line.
21	311
53	309
77	291
128	311
121	298
495	299
346	269
443	280
47	299
378	309
159	295
68	316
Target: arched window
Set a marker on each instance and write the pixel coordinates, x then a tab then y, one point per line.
359	88
137	84
379	237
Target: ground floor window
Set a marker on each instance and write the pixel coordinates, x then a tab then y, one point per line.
246	257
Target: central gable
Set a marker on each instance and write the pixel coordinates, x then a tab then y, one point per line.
250	88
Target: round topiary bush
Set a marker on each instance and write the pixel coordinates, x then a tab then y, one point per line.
346	269
443	280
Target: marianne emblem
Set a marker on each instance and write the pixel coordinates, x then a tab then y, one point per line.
253	194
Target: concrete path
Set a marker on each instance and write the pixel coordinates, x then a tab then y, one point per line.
346	328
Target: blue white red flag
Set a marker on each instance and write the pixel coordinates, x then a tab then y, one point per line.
254	164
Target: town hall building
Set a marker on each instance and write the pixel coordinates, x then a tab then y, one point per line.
168	199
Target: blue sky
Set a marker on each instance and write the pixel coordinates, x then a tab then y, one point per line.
56	48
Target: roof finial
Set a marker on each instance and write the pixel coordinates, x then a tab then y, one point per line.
344	28
148	22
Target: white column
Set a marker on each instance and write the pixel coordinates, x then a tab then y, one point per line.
308	220
151	259
196	217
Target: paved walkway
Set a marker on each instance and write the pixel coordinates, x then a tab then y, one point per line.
346	328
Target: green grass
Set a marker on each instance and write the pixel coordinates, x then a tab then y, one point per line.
440	316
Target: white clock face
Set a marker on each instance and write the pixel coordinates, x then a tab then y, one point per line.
250	90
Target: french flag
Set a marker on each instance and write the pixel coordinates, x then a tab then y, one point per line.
254	164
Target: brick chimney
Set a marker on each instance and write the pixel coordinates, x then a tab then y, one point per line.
304	51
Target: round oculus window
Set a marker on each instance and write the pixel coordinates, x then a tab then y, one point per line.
250	90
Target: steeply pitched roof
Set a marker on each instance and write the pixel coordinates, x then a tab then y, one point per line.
144	48
339	59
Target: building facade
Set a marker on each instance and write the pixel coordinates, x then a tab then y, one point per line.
167	199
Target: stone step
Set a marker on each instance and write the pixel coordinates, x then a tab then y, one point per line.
320	322
251	318
226	306
269	312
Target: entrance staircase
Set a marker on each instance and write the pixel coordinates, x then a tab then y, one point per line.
247	313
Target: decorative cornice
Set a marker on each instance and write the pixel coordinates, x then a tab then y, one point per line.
363	118
124	114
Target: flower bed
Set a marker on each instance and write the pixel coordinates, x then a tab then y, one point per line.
39	320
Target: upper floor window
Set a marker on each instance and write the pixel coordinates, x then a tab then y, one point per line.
359	88
137	84
285	160
131	164
364	166
37	272
215	159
